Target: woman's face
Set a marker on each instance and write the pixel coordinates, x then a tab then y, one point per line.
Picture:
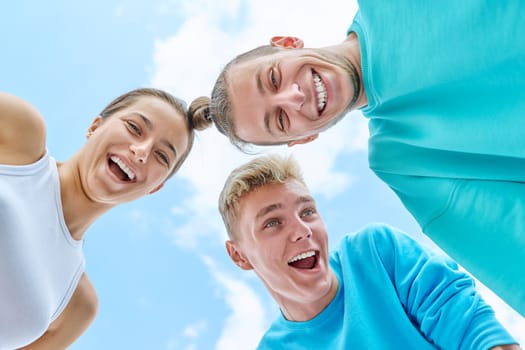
131	153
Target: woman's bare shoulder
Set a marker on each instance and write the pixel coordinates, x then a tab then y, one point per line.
22	131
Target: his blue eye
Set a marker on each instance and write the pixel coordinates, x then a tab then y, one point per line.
271	223
308	212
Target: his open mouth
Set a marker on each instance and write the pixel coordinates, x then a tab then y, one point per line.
120	169
307	260
320	90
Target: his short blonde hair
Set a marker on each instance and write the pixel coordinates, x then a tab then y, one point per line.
259	172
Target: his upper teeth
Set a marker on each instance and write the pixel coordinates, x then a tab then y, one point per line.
321	91
301	256
123	167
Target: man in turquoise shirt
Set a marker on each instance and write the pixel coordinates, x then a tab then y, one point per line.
378	290
443	85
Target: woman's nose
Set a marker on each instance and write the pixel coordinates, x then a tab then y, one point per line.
141	151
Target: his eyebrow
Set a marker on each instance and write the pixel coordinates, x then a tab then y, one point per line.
262	91
272	207
305	199
267	210
267	123
258	80
149	125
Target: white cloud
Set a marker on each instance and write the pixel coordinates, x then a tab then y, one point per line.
245	325
212	8
194	330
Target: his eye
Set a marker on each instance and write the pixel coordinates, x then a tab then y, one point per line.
134	127
280	120
308	212
271	223
273	79
163	157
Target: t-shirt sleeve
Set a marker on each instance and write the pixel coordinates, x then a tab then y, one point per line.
439	299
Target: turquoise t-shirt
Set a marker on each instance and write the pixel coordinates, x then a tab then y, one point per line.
393	295
446	88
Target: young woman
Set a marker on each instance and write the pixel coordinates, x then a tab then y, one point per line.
136	143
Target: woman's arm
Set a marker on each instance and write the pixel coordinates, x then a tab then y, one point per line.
74	320
22	131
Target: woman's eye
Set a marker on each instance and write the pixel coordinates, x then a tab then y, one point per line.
164	158
134	128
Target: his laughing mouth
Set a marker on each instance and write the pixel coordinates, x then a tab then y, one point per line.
306	260
121	170
320	89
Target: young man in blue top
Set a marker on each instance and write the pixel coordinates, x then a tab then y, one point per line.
443	86
378	290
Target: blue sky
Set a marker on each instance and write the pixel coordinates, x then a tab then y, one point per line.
163	277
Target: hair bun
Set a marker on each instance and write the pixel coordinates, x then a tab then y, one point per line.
199	113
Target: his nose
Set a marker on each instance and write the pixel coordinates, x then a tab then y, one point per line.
141	151
291	97
300	230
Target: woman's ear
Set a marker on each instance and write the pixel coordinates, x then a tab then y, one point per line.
287	42
94	125
237	256
158	187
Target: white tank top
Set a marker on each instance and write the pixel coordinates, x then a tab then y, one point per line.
40	263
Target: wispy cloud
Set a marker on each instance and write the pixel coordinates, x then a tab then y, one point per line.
247	321
193	331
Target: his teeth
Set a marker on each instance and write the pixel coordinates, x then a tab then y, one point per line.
301	256
321	91
123	166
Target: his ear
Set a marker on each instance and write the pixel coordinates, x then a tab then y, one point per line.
237	257
303	140
288	42
156	188
94	125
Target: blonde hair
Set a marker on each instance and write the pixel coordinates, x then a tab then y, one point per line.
259	172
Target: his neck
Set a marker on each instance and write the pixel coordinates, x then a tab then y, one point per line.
301	311
352	50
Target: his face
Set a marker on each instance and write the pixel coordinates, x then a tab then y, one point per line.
290	96
131	153
282	237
